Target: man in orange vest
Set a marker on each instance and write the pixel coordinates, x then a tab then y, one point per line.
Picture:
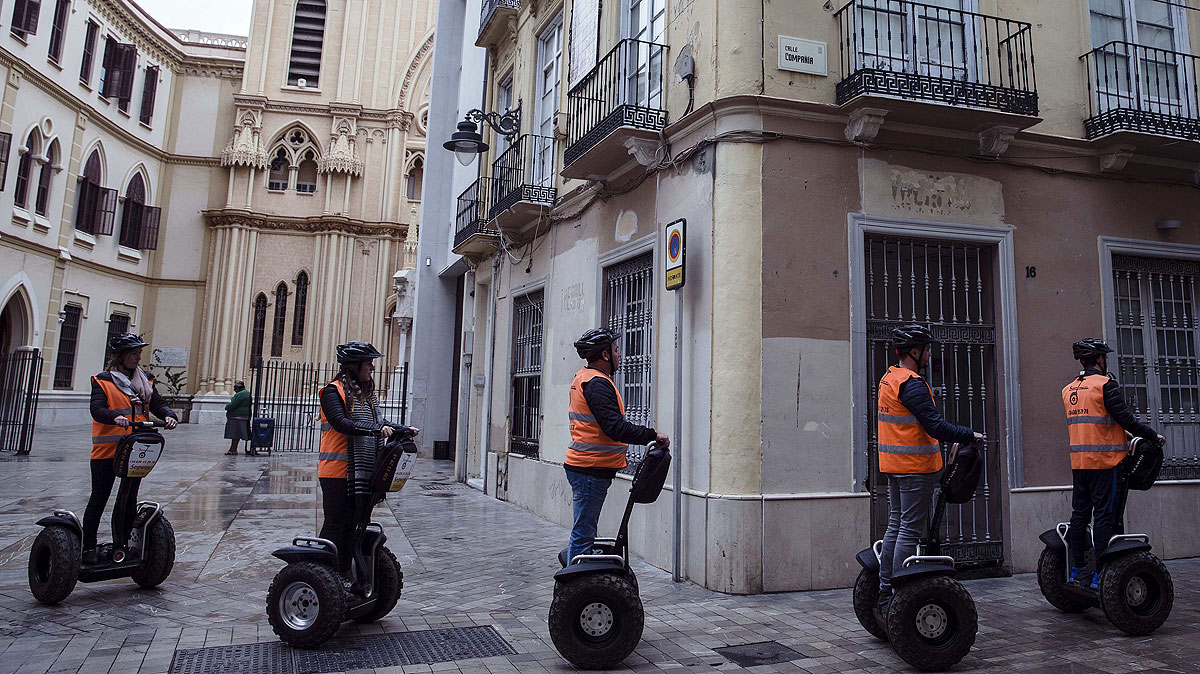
910	427
600	434
1097	422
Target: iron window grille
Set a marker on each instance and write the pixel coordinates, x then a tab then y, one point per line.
625	88
519	176
527	374
628	307
301	309
118	324
1157	359
277	327
488	9
58	28
1133	87
5	146
308	36
149	93
25	17
927	52
89	53
472	215
68	342
258	329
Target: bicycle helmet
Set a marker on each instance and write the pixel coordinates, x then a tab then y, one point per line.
911	336
1089	348
125	342
594	341
356	352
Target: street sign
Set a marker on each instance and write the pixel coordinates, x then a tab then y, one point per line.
675	249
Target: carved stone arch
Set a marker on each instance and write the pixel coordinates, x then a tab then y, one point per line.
33	130
17	295
417	63
411	158
295	151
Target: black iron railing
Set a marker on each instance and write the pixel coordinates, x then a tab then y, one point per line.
472	217
1145	89
924	52
488	9
524	172
626	88
20	374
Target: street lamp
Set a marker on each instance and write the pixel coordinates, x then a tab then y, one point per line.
467	143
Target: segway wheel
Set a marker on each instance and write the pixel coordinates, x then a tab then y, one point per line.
305	604
596	620
158	554
1051	574
1136	593
866	601
932	623
54	564
389	581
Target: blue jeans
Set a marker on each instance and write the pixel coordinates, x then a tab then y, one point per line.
587	498
909	498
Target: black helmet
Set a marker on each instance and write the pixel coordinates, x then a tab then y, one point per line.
1089	348
910	336
594	341
126	341
356	352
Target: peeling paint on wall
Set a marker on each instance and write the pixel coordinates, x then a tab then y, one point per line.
626	226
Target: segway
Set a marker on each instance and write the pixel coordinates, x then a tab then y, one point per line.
931	620
596	616
1136	592
309	600
56	560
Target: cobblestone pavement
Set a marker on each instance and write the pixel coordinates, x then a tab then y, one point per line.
468	560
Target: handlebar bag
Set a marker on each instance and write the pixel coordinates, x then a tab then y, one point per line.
961	477
1142	464
393	464
650	476
137	453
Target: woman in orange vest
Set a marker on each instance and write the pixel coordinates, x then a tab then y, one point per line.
1097	420
600	434
910	427
353	429
122	394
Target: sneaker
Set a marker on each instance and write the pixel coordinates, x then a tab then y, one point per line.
1077	575
881	609
1095	582
91	557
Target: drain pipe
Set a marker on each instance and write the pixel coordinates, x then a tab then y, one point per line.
486	435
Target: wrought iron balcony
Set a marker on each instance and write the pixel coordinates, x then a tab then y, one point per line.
491	20
622	96
919	52
523	184
1140	89
472	234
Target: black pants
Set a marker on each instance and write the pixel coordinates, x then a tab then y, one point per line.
124	510
1097	494
339	518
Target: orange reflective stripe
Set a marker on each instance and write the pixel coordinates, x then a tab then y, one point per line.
331	460
590	447
1096	440
904	446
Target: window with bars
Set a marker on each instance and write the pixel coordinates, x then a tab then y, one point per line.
308	36
527	373
628	308
68	342
58	29
89	53
258	329
281	295
1157	360
118	324
301	309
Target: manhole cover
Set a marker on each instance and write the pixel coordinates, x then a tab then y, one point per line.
442	487
762	653
338	655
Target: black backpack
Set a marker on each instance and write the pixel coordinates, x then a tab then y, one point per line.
650	476
961	477
1143	463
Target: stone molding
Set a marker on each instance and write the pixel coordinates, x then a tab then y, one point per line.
342	155
317	224
246	148
413	66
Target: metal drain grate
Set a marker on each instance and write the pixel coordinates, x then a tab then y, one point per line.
339	655
442	487
762	653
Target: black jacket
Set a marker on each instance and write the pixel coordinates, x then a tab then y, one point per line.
99	402
335	415
601	399
914	395
1118	409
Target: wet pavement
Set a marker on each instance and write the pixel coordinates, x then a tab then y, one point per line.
468	561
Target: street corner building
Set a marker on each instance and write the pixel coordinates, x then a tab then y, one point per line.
842	168
233	199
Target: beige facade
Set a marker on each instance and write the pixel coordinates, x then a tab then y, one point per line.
951	179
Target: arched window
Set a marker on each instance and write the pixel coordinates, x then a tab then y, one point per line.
281	293
135	197
25	169
306	175
259	328
277	178
416	176
301	307
308	35
97	207
93	170
42	201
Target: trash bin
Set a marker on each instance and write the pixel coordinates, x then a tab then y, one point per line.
262	432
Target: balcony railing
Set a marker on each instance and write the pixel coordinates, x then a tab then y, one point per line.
1142	89
524	172
487	11
626	88
923	52
472	215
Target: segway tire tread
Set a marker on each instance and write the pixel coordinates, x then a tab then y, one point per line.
1161	593
571	597
328	587
925	654
65	557
866	601
1051	572
159	555
389	582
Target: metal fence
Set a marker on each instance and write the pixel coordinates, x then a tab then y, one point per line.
488	7
289	393
1132	87
20	375
472	215
524	172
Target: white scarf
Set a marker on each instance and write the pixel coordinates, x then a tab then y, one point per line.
137	387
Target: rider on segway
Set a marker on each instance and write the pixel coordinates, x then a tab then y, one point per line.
1097	421
121	395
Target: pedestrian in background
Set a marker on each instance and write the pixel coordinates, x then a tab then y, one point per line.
237	418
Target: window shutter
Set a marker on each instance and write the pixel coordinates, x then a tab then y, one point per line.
131	223
149	91
25	16
5	146
85	215
148	239
585	33
126	65
105	210
89	53
106	87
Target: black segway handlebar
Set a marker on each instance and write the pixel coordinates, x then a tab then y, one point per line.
147	424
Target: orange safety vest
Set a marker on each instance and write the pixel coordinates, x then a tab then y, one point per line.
904	446
1097	441
332	460
106	436
590	447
